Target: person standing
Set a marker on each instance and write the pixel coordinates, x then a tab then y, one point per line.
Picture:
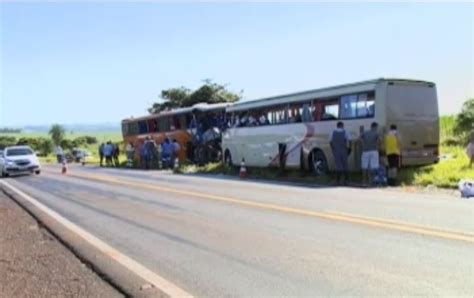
59	153
470	149
143	156
176	149
130	151
340	144
116	154
150	152
370	153
166	152
393	151
101	154
108	152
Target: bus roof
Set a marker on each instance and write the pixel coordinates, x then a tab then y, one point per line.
202	107
318	93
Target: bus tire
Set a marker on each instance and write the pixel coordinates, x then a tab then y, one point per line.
228	159
318	163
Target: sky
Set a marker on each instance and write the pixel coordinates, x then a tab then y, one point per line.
97	62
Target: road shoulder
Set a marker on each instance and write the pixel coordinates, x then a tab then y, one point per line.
33	263
120	280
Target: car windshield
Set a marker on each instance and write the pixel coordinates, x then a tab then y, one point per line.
19	152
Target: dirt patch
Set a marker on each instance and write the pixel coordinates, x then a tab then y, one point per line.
34	264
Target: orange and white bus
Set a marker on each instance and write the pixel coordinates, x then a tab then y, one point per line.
293	130
181	124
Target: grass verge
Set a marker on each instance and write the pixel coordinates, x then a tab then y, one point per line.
452	168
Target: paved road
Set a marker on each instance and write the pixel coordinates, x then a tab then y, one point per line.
218	237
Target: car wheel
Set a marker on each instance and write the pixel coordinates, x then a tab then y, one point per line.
318	163
37	172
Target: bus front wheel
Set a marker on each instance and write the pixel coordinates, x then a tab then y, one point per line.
318	163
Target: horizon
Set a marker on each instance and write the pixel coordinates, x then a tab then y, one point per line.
90	63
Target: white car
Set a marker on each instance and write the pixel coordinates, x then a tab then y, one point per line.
18	160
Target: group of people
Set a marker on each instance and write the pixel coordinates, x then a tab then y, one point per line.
375	168
110	152
153	155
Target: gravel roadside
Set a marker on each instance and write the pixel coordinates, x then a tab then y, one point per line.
35	264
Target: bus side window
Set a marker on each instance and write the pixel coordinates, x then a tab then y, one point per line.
330	111
365	105
142	127
182	121
152	127
125	129
349	106
133	128
163	124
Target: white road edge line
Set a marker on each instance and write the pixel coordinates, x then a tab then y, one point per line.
132	265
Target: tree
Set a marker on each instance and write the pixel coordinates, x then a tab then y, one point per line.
465	120
67	144
57	133
45	147
183	97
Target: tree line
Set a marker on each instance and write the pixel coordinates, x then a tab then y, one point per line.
45	146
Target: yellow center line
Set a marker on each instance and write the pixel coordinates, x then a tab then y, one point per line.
343	217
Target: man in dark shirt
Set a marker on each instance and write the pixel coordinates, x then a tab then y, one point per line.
370	153
340	143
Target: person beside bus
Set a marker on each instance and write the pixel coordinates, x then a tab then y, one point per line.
176	149
340	144
143	156
150	148
370	153
108	151
166	152
116	154
470	149
393	152
130	151
101	154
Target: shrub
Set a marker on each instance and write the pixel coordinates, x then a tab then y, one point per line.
465	120
67	144
6	141
46	147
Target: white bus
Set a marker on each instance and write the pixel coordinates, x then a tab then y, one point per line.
293	130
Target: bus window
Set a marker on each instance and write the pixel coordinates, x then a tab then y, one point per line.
174	122
125	130
133	128
182	121
163	124
152	125
300	112
279	115
142	127
365	105
349	106
330	110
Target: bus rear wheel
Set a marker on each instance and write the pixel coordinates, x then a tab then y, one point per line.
318	163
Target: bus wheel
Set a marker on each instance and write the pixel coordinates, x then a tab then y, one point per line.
228	159
318	163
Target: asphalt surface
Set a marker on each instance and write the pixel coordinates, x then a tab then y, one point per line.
218	237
